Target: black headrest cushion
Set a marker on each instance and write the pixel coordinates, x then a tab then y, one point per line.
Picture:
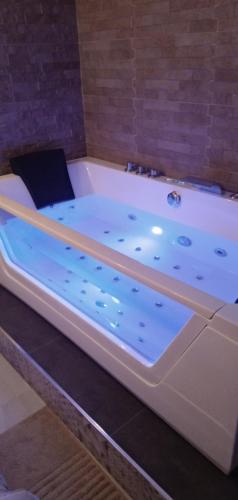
45	175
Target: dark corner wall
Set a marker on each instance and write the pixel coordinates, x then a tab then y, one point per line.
160	84
40	92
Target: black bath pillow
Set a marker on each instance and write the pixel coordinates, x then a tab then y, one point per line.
45	175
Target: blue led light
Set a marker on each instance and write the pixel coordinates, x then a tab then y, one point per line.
157	230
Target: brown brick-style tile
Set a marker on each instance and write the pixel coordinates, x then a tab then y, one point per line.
107	54
40	87
160	84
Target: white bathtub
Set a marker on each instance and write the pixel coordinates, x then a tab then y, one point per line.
166	322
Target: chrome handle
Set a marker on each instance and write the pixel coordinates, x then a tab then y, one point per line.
141	170
131	167
174	199
234	196
153	173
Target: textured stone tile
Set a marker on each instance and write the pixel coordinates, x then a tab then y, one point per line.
104	449
17	400
40	57
108	105
110	153
178	5
146	438
172	54
204	25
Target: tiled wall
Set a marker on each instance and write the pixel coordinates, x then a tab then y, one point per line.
40	95
160	84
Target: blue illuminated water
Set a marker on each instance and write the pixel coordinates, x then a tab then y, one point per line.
140	319
205	261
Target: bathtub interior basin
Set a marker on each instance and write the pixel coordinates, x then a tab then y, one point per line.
198	258
147	290
144	321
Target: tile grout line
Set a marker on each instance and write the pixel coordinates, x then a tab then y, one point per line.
43	346
122	426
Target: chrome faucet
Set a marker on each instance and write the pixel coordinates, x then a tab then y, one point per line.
131	167
174	199
141	170
234	196
153	172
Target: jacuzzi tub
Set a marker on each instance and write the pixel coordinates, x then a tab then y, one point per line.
145	288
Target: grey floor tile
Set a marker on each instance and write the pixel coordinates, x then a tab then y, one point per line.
172	462
105	399
23	324
17	399
166	456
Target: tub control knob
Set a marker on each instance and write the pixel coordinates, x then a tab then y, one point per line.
234	196
131	167
153	173
174	199
141	170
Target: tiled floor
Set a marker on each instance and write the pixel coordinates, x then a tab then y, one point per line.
50	462
171	461
17	400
